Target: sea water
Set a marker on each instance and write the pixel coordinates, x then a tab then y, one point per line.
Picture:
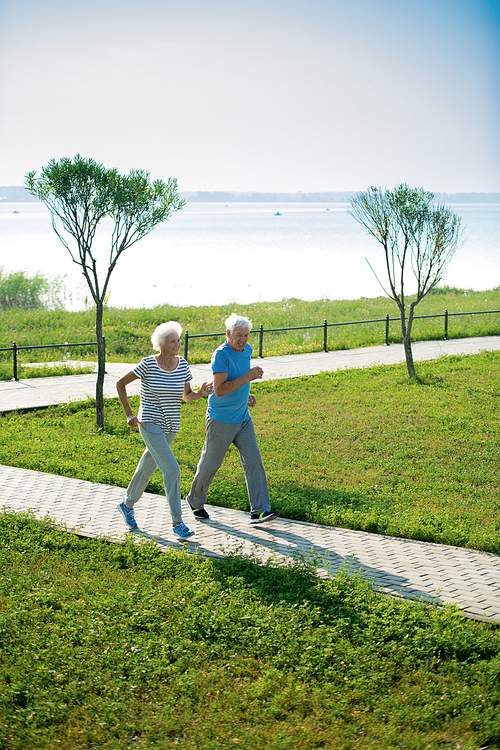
216	253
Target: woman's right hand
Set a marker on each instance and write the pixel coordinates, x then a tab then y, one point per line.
132	421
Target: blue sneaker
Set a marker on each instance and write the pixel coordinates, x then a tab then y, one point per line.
182	530
128	514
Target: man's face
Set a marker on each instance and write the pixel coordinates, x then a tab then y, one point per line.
238	339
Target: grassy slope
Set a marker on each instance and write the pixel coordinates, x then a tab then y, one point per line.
364	449
128	331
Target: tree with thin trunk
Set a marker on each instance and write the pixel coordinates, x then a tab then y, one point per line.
80	194
419	240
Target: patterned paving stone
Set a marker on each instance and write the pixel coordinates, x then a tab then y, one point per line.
402	567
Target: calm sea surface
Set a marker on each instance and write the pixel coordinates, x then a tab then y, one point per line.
214	253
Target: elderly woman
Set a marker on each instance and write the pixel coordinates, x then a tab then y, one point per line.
164	383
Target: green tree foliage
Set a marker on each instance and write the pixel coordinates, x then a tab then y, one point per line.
419	240
80	194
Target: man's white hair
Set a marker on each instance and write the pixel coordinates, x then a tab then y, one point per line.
163	331
237	321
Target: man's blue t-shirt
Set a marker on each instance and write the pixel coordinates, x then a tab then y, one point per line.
233	407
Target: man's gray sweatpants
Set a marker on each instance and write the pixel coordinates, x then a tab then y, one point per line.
220	435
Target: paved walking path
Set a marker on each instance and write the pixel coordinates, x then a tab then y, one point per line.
40	392
404	567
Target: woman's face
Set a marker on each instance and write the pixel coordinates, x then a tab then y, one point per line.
171	345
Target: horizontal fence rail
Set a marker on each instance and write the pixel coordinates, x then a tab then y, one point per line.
325	326
15	349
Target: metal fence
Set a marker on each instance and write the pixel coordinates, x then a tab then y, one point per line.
261	331
15	349
326	325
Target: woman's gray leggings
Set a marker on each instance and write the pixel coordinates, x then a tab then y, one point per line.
157	454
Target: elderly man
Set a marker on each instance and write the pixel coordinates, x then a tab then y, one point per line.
228	421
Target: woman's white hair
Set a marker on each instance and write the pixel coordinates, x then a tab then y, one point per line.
237	321
163	331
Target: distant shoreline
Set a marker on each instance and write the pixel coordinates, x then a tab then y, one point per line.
19	194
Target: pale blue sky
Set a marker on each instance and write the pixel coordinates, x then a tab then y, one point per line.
281	95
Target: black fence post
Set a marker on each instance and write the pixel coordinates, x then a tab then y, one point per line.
387	329
446	325
186	345
14	354
325	336
261	340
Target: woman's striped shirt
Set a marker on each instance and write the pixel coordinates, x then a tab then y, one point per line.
161	392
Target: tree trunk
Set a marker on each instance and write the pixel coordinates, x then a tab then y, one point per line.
409	355
406	332
101	367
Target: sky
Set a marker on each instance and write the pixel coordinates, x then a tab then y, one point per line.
254	95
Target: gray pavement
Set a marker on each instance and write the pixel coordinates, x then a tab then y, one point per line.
433	572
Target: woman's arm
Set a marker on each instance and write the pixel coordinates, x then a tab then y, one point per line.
121	387
190	395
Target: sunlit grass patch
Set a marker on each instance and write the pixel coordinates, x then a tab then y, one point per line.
45	370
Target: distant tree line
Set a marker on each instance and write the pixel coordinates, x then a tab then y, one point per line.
21	194
321	197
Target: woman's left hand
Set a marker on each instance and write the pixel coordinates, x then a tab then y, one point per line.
206	389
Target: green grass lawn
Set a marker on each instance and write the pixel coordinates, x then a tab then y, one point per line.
120	646
128	331
44	370
361	449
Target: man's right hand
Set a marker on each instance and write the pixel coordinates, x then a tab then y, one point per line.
255	372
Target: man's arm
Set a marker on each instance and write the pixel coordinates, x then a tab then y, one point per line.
223	386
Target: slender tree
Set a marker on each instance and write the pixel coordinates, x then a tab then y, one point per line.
419	240
80	193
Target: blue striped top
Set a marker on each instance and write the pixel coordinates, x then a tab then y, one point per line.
161	392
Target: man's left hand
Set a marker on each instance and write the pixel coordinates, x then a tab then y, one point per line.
252	400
